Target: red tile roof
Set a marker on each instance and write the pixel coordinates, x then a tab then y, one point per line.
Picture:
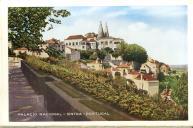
52	41
123	66
72	37
147	77
134	73
115	69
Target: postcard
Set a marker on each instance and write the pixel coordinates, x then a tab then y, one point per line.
123	63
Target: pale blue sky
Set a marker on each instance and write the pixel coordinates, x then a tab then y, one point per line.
161	30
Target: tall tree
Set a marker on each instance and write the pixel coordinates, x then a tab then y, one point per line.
135	53
122	48
26	24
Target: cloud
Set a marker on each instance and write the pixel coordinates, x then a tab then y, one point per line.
118	13
169	45
162	41
86	11
162	11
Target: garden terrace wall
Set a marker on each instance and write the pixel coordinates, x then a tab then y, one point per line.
36	80
54	103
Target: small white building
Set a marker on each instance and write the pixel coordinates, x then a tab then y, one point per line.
78	42
71	54
150	67
147	82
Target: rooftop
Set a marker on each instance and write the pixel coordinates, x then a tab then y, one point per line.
147	77
52	41
72	37
123	66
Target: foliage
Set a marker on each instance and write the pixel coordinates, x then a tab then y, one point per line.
179	86
119	82
11	53
106	65
85	54
161	76
181	93
122	48
22	55
53	52
101	54
135	104
108	50
116	54
135	53
93	56
26	25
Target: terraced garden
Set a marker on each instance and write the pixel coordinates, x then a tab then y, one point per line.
133	103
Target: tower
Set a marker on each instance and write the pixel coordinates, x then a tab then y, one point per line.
106	32
100	31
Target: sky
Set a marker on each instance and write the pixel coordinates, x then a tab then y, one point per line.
161	30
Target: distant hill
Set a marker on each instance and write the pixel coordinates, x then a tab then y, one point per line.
185	66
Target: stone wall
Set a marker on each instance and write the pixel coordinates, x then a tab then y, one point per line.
36	80
152	87
54	102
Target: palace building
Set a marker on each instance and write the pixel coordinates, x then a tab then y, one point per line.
92	40
104	40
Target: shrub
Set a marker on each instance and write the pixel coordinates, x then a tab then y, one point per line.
134	103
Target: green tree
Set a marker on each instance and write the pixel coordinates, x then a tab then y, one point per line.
26	24
101	54
11	53
85	54
52	52
116	54
122	48
131	52
135	53
160	76
108	50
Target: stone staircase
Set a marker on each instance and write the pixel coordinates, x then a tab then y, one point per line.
24	103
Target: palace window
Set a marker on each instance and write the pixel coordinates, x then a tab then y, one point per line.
66	43
73	43
69	43
116	42
106	43
76	43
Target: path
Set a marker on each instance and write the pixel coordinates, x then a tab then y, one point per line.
24	103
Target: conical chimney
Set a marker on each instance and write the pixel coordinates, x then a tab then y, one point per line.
106	31
100	31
